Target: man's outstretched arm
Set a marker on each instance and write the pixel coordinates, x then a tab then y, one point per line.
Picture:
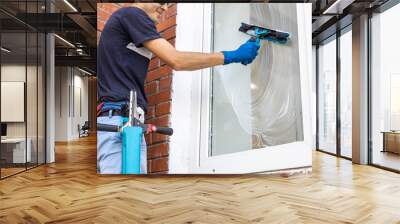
181	60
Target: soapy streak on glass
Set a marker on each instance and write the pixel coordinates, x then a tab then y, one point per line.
258	105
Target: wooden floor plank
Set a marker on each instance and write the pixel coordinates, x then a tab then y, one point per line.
70	191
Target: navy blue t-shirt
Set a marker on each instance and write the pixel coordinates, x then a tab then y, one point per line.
122	61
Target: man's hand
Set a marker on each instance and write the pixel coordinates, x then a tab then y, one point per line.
245	54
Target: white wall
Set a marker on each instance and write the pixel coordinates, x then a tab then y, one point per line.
61	103
12	101
12	73
67	115
33	127
80	102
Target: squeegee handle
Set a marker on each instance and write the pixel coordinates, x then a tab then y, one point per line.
256	39
157	129
108	127
164	130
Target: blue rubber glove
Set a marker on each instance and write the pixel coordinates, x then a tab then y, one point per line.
245	54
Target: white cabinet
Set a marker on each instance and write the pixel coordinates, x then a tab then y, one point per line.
19	155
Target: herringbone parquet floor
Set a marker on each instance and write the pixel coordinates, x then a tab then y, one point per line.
70	191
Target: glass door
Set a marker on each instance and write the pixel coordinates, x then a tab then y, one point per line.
327	96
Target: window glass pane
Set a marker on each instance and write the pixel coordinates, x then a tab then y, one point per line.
386	89
346	93
327	96
41	98
258	104
31	97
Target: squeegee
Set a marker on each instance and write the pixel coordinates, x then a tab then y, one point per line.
261	33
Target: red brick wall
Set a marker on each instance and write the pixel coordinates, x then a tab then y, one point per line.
157	86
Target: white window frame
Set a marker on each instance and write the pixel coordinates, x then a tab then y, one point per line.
190	109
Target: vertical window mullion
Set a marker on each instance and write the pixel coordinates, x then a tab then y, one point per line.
0	93
369	95
26	87
317	95
338	82
37	89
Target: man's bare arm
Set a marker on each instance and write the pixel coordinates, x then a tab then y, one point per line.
180	60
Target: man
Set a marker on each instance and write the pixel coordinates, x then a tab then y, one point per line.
125	48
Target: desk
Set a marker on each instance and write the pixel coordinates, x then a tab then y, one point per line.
16	147
391	141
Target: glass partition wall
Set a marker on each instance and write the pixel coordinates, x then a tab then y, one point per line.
22	87
383	94
334	94
385	90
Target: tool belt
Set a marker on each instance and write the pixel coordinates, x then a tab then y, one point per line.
117	109
113	113
113	109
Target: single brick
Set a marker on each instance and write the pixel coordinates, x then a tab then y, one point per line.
148	165
171	11
165	83
162	63
100	26
163	96
162	121
148	138
163	108
160	164
154	63
166	24
158	150
158	138
169	33
110	8
151	87
158	73
125	4
150	113
172	41
103	14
